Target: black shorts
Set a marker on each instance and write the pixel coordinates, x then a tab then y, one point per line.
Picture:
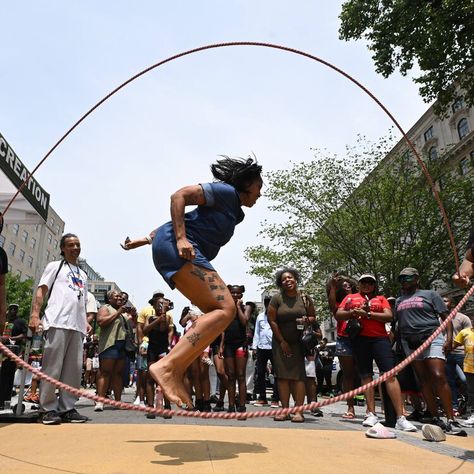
235	350
368	349
154	355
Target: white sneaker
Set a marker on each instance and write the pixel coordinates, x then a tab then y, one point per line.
99	407
142	403
370	420
404	425
137	401
469	422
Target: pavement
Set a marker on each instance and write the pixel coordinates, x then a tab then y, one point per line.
125	441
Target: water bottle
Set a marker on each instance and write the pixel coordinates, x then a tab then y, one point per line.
37	339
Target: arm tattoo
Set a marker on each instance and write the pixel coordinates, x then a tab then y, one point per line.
193	338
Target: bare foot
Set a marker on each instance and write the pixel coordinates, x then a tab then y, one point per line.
171	382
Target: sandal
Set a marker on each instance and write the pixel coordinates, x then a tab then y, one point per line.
281	417
298	418
348	416
379	431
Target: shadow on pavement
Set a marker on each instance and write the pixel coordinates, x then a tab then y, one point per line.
182	452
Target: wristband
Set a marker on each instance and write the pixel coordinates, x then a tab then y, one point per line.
369	314
148	238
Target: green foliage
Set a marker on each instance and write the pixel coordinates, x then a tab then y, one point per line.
435	35
390	222
20	292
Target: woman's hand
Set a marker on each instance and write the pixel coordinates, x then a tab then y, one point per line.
447	346
359	313
185	249
285	347
126	243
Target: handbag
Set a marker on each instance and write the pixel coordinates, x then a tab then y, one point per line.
309	339
130	345
353	328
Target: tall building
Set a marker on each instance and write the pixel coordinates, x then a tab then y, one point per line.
30	247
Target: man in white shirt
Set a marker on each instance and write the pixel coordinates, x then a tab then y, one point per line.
64	324
262	343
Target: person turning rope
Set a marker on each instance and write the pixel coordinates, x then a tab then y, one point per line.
182	251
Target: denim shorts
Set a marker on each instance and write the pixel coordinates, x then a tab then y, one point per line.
433	351
344	346
117	351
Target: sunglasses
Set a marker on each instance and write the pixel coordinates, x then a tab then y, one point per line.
367	281
406	278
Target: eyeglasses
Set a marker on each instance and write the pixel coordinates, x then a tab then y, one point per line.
406	278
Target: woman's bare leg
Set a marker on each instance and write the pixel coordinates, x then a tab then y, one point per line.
209	293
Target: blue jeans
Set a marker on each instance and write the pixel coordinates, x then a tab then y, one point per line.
452	362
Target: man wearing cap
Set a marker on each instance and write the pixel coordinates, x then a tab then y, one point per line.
418	313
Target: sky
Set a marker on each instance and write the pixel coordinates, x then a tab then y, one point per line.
114	175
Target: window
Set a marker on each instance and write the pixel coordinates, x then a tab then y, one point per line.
458	104
51	222
50	238
47	255
433	153
21	255
55	244
11	249
15	228
464	166
29	261
37	226
463	128
18	272
57	229
429	134
2	241
9	268
24	236
32	243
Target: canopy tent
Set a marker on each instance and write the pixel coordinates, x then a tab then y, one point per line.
32	204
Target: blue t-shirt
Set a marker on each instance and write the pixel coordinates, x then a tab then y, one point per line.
208	228
212	225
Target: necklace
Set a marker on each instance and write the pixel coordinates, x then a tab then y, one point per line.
76	280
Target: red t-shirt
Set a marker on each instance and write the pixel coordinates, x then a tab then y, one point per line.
370	328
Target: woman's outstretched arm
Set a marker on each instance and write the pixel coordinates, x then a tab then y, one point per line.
135	243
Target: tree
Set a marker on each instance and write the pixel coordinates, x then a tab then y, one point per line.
20	292
435	35
364	212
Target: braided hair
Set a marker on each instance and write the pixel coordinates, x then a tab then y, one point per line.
238	172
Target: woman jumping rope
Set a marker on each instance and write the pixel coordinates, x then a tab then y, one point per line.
182	250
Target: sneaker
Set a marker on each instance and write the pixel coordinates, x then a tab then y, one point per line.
219	406
51	418
436	421
274	405
99	406
415	415
404	425
137	401
469	421
317	413
370	420
260	403
73	416
241	409
231	409
433	433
